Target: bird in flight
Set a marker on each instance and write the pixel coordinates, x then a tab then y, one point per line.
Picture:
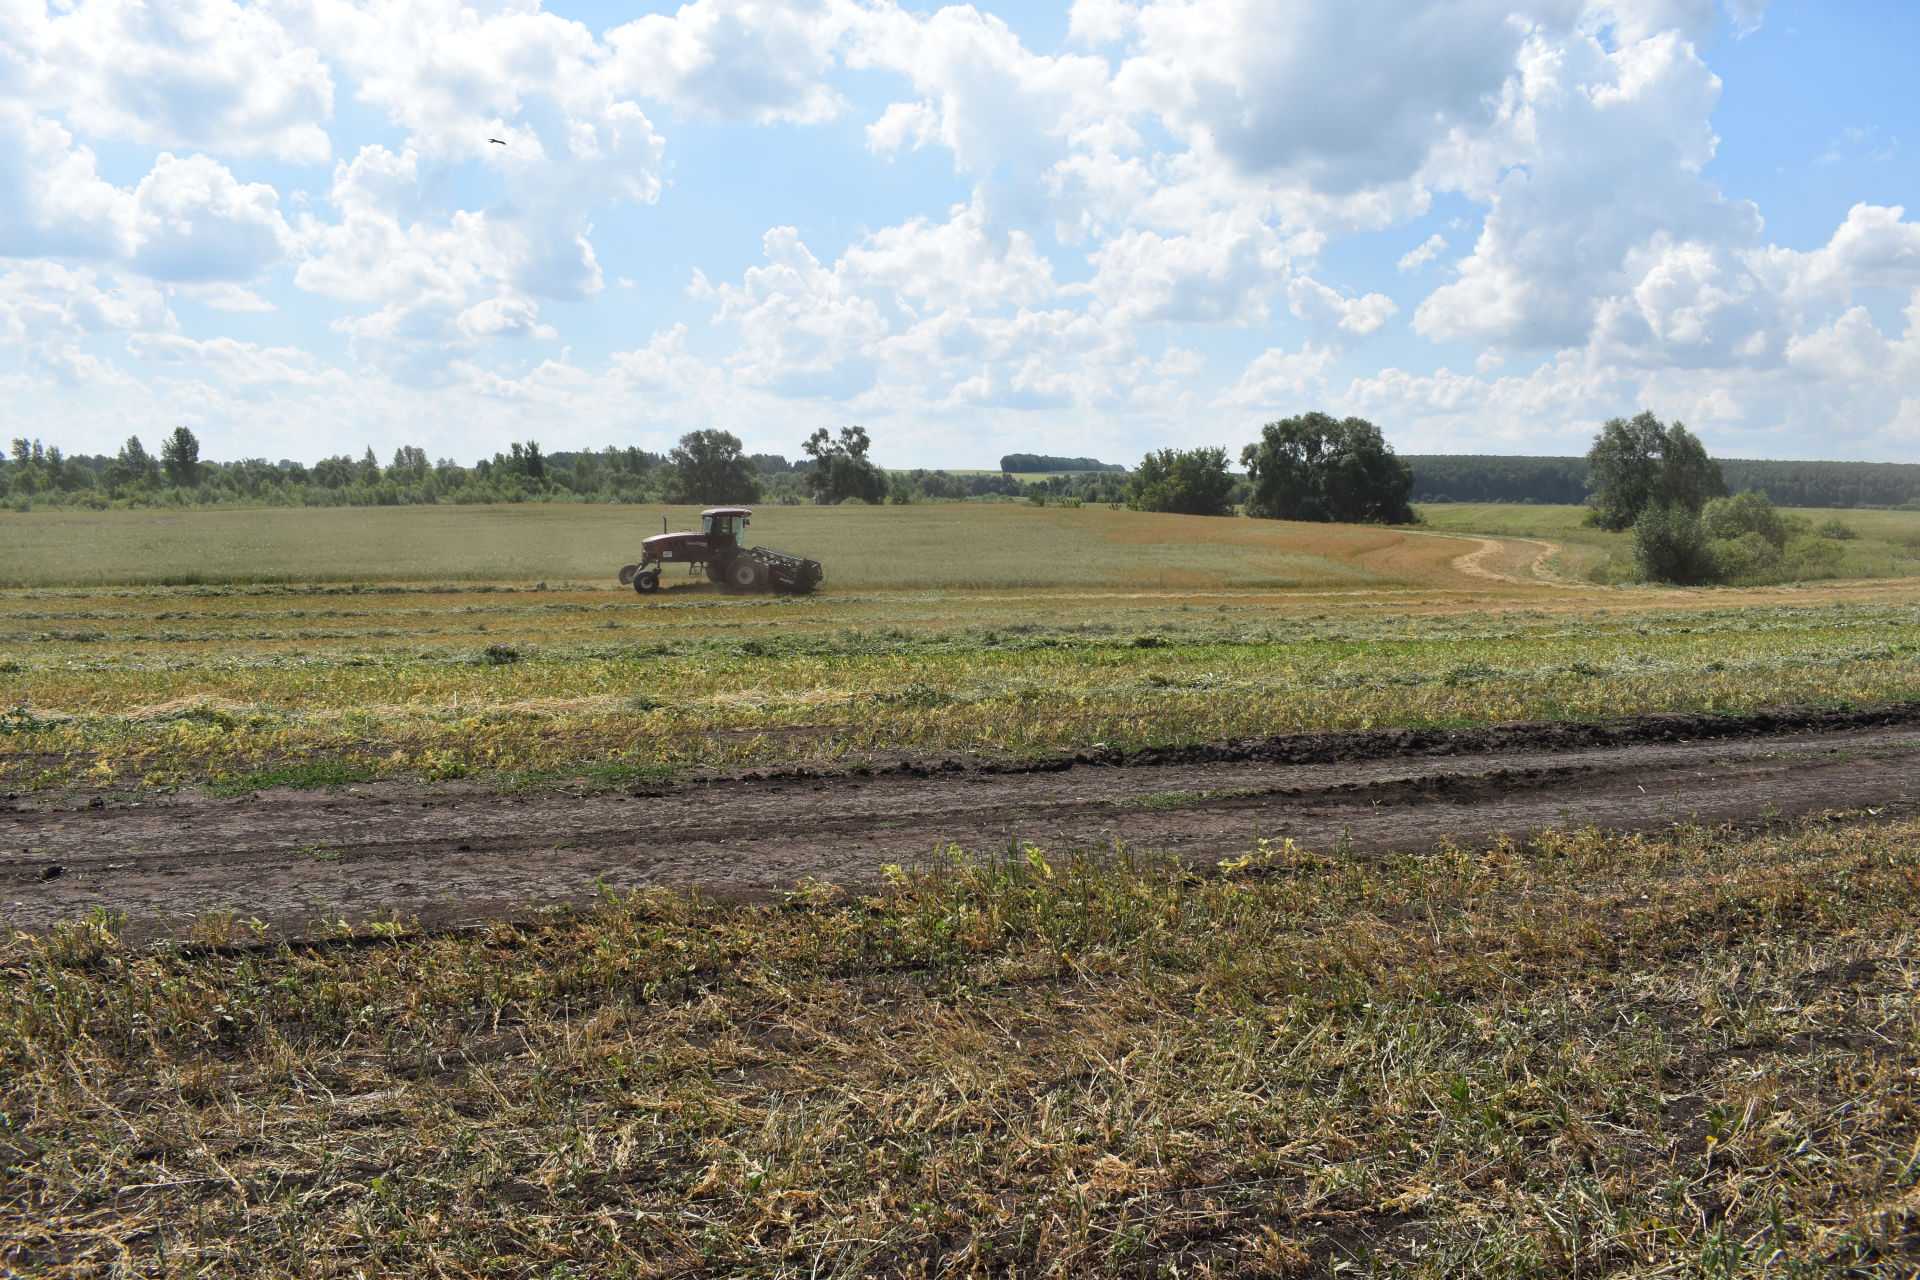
496	140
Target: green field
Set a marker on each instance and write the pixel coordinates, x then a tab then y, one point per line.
1887	545
959	545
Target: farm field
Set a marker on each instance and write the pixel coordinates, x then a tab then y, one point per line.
1687	1053
402	898
1887	544
240	685
964	546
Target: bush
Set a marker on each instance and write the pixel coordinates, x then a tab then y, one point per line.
1751	512
1837	529
1670	546
1747	556
1814	557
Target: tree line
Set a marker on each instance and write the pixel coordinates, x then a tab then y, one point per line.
707	466
1563	481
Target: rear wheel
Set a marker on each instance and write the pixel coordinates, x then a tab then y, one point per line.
647	581
743	574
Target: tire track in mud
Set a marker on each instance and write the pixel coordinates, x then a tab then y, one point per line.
454	854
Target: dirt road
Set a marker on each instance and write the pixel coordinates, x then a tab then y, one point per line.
452	853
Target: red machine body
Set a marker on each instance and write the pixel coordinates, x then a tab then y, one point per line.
717	548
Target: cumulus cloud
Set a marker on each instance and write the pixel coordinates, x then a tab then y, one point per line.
1274	89
188	219
194	222
206	74
746	60
1423	253
1178	168
1614	141
53	201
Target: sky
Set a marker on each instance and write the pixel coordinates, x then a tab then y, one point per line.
1095	228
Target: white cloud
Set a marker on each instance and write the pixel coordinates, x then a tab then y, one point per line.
983	95
225	296
1276	90
1423	253
911	125
207	74
236	363
1222	275
1328	311
1876	247
53	202
1277	377
1101	21
1612	144
749	60
194	222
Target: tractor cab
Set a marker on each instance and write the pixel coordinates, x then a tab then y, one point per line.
724	526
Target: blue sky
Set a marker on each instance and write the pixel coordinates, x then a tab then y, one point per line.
1096	228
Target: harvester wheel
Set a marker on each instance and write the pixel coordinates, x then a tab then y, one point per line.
626	574
743	574
647	581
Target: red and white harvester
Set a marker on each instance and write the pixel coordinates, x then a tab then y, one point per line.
717	549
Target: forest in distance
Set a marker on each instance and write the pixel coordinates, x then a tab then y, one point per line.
37	475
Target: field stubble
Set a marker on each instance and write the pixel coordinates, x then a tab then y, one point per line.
1688	1054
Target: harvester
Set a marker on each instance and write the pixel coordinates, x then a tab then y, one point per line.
717	551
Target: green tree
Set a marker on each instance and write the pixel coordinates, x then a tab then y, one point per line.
139	464
180	458
841	469
709	467
1641	463
1670	546
1315	467
1191	482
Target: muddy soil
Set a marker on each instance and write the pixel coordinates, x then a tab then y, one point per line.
451	853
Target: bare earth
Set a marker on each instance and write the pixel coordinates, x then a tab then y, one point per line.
453	853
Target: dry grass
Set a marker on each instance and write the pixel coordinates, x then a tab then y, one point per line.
1689	1055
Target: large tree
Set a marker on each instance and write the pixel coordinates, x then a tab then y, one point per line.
1191	482
708	466
180	456
841	469
1640	463
136	462
1316	467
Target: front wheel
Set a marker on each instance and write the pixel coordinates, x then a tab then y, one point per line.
743	574
647	581
626	574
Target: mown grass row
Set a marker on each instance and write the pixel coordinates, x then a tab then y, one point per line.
121	716
1688	1054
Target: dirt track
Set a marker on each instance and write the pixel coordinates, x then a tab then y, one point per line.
453	853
